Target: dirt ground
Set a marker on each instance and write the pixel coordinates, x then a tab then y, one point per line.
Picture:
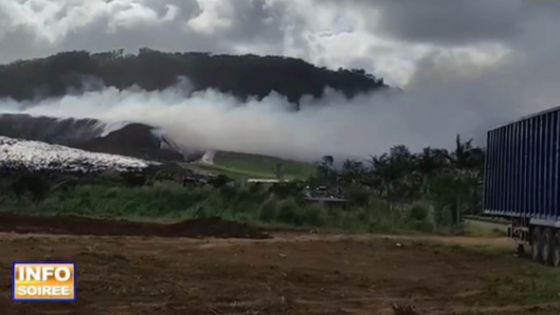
78	225
290	273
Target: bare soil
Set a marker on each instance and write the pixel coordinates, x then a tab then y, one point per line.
289	273
76	225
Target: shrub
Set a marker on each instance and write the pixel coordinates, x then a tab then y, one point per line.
133	179
229	193
201	212
418	212
287	212
267	210
256	188
286	190
67	185
220	181
358	195
35	184
312	216
443	215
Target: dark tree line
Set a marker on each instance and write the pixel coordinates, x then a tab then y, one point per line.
243	76
450	181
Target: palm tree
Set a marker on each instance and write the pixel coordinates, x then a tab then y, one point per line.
352	171
465	156
325	172
328	160
380	175
427	163
394	171
431	160
467	164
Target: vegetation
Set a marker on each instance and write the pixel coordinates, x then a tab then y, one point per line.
36	186
427	191
261	166
170	200
243	76
434	187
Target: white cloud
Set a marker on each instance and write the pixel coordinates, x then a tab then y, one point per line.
215	15
134	14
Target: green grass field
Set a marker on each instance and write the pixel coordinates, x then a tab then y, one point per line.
482	228
170	201
258	166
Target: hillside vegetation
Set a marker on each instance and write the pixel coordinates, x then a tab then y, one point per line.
262	166
243	76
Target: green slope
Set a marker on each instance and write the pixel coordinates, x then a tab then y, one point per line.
260	166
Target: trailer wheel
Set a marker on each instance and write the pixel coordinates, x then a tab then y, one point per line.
546	247
555	259
536	244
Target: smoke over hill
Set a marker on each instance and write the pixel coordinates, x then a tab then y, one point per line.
366	124
457	94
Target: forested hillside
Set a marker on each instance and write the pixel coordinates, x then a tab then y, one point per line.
243	76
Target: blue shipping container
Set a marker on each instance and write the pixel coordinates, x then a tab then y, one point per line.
522	166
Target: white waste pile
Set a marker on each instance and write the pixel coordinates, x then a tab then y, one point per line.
35	155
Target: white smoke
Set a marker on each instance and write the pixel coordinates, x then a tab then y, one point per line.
367	124
450	93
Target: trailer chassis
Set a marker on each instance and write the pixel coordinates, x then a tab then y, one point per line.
541	236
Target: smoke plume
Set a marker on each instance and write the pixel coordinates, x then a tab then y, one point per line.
429	113
461	71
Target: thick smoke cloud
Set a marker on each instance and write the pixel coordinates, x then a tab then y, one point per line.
464	66
367	124
212	120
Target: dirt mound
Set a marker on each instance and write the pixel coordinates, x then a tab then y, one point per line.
74	225
132	139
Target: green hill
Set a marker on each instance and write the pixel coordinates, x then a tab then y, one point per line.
243	76
257	166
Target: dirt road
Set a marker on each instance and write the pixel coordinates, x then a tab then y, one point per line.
286	274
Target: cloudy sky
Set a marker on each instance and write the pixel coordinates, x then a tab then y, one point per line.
392	38
468	64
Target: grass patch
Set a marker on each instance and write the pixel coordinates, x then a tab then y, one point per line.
532	285
261	165
170	201
484	229
232	172
111	196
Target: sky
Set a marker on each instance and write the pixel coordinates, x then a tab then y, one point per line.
464	65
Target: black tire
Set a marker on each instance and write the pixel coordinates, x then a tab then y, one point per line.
546	247
555	255
536	244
